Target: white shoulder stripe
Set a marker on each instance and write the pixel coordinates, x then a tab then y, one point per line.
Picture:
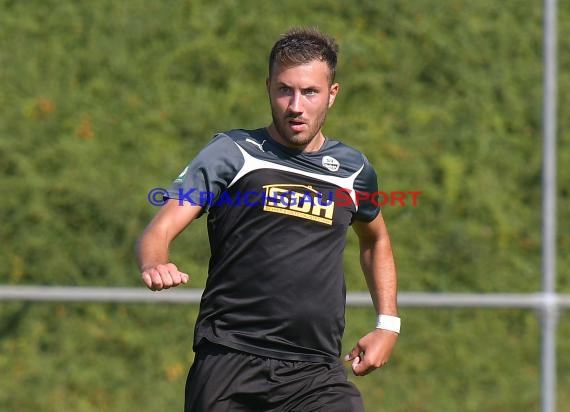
251	163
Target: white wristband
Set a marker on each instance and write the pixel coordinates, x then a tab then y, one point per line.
388	322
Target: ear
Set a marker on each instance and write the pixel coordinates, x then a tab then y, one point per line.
333	91
267	84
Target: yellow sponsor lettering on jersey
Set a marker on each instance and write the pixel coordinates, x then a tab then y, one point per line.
299	201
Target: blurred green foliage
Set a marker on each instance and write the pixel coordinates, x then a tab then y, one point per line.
102	101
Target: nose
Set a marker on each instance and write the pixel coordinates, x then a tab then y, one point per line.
295	103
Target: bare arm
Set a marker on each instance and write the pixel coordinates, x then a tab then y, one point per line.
157	272
377	261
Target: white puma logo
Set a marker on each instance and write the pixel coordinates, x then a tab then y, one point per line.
259	145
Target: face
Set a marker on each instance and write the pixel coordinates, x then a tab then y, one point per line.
300	97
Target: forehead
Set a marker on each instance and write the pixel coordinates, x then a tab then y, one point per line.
315	72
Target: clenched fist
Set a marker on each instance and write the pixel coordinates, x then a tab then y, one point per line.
163	276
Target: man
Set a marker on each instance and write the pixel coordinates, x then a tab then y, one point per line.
279	203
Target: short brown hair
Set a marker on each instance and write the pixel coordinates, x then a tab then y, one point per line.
302	45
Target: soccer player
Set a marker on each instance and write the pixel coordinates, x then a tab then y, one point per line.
279	202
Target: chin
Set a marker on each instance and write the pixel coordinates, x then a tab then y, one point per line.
291	138
299	140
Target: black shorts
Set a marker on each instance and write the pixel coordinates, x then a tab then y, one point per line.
225	380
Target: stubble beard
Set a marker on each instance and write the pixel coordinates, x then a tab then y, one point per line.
298	140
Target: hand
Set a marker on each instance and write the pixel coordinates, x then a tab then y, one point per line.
372	351
163	276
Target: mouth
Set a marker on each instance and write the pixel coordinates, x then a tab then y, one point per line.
296	125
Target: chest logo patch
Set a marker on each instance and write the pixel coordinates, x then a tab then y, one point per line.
330	163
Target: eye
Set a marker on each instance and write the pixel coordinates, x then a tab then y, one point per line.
310	92
285	89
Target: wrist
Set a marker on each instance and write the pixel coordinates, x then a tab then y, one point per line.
388	322
150	265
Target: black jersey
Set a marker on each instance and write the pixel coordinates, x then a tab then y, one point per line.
277	223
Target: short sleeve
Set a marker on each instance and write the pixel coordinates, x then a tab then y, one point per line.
209	173
367	181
